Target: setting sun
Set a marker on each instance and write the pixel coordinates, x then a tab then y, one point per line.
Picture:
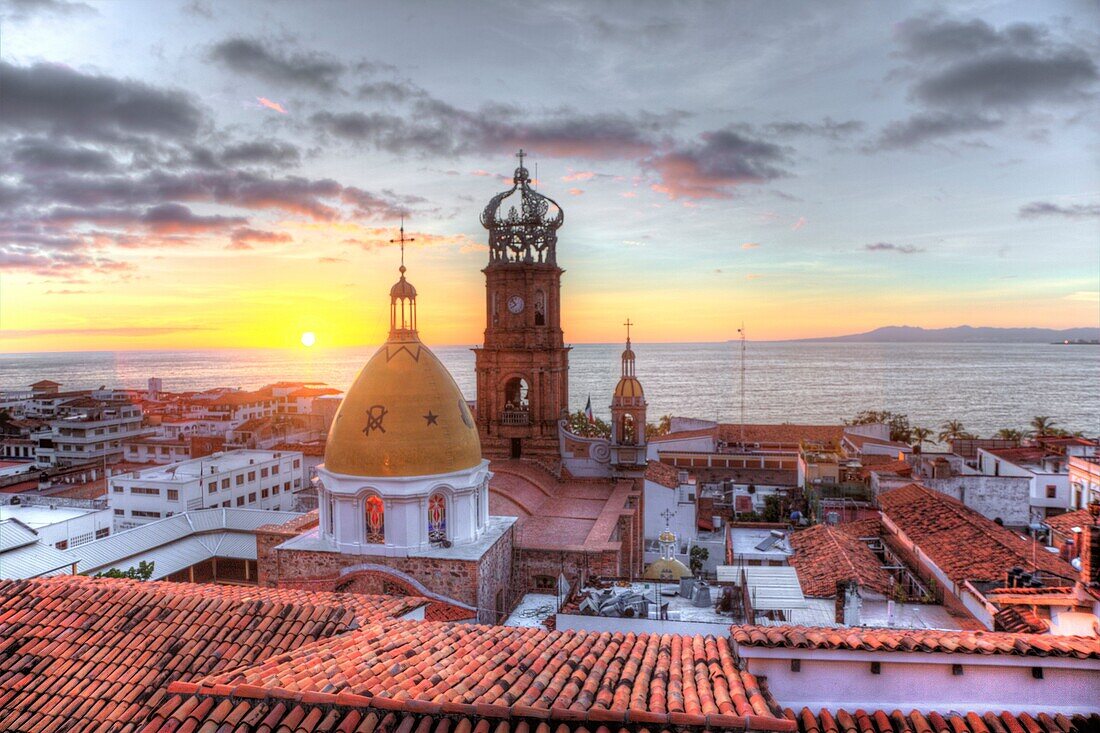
309	338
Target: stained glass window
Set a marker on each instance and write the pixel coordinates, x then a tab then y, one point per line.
376	521
437	518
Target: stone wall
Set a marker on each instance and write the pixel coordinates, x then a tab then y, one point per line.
997	497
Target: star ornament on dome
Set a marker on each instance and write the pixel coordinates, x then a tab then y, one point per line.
431	418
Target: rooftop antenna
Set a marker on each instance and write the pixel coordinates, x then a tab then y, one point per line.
742	332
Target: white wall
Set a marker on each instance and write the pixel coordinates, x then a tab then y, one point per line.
987	683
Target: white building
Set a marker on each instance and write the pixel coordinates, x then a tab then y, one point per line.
1047	472
90	431
62	523
250	479
157	449
1084	480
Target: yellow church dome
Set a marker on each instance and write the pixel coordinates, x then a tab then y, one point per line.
629	387
666	570
403	416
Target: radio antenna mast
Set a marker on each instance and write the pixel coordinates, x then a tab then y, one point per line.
742	332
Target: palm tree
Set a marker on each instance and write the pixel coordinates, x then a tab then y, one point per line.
664	425
920	437
1042	425
1009	434
951	430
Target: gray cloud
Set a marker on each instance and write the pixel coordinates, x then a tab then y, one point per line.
1038	209
1008	79
251	56
274	152
926	127
937	37
827	128
47	98
48	155
389	91
905	249
23	9
719	162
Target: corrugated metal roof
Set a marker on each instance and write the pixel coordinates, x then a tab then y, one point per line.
772	588
14	533
35	560
185	538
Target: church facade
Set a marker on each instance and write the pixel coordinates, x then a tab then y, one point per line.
420	494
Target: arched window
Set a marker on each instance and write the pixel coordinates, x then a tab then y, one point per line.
437	518
331	518
376	520
540	309
628	429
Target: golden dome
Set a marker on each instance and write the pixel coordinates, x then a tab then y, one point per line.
403	416
666	536
629	387
666	570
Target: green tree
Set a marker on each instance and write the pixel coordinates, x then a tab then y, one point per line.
773	508
579	425
952	430
898	424
143	571
699	556
1009	434
921	436
1042	426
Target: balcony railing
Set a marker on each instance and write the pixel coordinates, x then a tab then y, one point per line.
515	417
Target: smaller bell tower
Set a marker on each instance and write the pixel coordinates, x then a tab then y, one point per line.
628	408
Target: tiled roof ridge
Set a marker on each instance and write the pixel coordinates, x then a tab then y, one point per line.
881	721
526	673
917	640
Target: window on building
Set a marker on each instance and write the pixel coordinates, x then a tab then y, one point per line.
251	497
251	475
437	517
240	479
225	504
376	520
102	532
173	495
212	487
297	463
331	521
118	489
225	483
1052	491
240	501
275	490
143	491
120	512
545	584
147	515
286	486
263	473
274	470
263	493
62	545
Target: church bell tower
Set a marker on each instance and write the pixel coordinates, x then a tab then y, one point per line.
523	366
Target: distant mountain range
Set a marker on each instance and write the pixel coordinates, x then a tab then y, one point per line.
965	334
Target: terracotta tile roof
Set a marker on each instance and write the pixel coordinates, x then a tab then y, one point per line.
1019	620
896	468
784	433
662	474
825	555
1063	524
313	449
917	640
499	672
86	654
961	542
881	721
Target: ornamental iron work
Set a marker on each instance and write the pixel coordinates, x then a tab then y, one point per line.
527	234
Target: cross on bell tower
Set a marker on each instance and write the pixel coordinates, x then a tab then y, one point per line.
402	295
628	413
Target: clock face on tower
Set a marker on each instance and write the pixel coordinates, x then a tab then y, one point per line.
515	304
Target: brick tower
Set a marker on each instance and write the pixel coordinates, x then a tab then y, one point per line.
523	366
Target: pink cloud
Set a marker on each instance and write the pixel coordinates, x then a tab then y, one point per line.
271	105
753	276
799	224
576	191
578	176
629	194
750	245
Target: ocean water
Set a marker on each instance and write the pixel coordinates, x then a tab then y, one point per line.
985	386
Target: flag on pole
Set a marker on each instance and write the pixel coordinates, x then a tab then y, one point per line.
588	412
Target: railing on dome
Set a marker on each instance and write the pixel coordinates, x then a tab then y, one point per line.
515	417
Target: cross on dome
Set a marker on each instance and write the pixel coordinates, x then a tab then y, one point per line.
402	295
